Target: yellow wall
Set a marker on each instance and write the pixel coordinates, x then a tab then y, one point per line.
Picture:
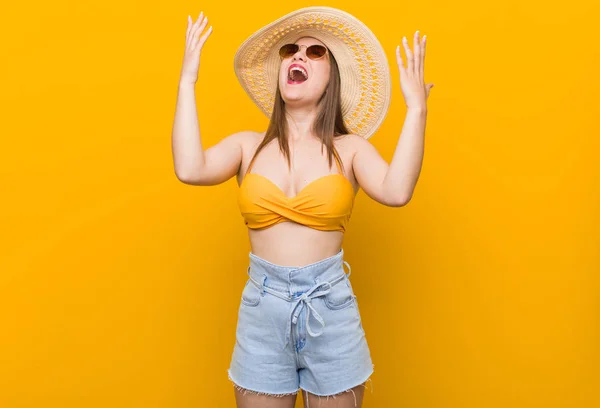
119	285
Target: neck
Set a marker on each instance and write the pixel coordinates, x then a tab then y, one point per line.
300	120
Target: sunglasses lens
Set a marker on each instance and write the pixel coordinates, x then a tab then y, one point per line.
288	50
315	51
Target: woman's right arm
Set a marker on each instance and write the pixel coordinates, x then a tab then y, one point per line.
192	164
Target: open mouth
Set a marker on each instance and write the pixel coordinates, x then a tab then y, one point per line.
297	74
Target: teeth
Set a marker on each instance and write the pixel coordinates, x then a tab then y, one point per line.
298	69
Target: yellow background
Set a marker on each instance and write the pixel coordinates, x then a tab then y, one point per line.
119	285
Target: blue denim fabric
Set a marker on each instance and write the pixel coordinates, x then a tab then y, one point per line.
299	327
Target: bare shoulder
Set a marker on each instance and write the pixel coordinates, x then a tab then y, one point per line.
245	140
353	143
249	140
243	137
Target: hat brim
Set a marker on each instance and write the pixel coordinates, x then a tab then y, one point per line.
363	66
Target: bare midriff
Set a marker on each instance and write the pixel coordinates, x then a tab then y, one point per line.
292	244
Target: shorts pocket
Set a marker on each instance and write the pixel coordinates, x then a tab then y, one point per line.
340	296
251	294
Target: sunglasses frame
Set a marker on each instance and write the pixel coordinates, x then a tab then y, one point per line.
299	47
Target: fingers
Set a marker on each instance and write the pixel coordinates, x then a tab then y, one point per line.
417	54
204	37
400	63
409	56
415	59
196	33
194	30
399	57
429	86
423	44
191	30
189	27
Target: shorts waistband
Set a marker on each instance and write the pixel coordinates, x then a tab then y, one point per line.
296	278
299	285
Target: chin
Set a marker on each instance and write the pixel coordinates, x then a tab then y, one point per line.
291	95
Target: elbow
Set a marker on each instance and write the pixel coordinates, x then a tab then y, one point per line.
183	178
187	177
395	196
398	201
397	204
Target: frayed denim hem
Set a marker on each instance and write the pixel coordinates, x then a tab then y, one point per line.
363	383
249	391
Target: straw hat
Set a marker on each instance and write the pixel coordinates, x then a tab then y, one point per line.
364	71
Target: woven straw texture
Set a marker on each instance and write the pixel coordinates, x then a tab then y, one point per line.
364	70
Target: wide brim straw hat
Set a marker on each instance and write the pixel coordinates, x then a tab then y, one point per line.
363	66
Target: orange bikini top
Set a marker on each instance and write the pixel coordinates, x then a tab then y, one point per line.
324	204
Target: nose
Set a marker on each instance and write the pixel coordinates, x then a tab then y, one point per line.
300	55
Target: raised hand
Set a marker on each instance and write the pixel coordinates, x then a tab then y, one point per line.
412	77
193	46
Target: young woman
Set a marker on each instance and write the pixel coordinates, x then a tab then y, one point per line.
323	79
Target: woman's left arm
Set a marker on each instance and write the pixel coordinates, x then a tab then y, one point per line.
393	184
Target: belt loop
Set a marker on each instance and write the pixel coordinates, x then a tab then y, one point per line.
262	284
349	269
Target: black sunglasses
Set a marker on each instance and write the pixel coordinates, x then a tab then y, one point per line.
313	52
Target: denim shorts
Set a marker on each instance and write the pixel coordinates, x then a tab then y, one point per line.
299	328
